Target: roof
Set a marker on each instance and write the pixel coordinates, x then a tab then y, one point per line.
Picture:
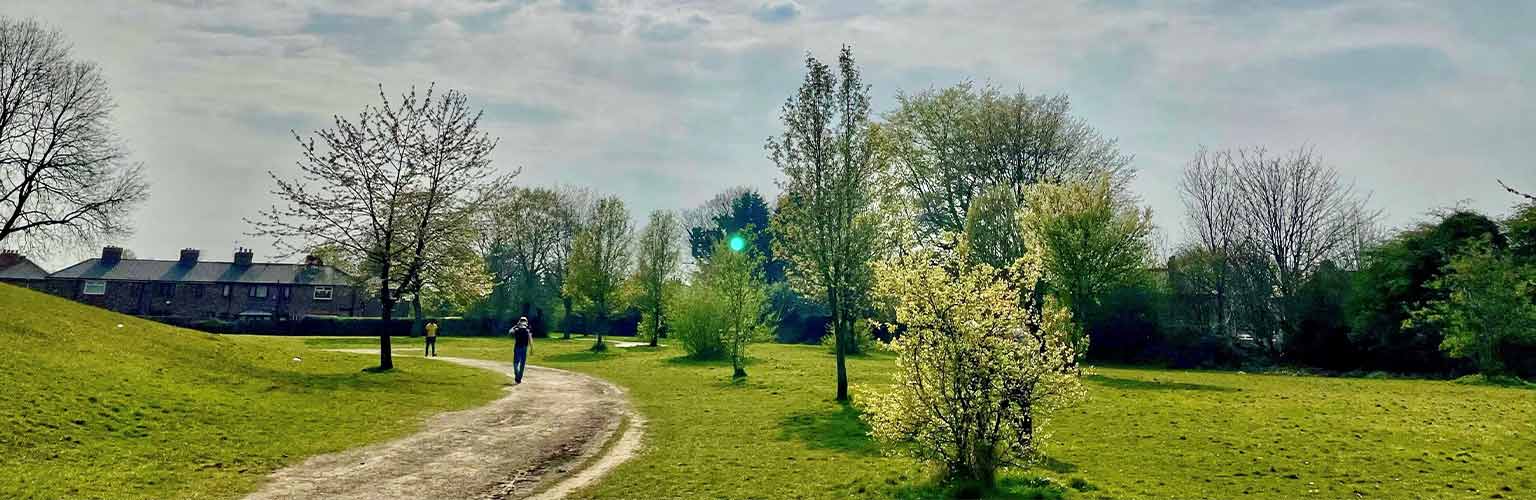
205	272
22	269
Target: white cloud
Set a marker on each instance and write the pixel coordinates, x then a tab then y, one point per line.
664	103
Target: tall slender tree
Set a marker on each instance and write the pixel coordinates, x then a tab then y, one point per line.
387	188
656	267
827	220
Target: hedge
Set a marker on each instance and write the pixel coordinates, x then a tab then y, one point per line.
333	326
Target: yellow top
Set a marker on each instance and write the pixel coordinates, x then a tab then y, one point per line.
431	329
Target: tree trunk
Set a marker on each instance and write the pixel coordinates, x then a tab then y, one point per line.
417	321
840	331
385	360
566	303
655	326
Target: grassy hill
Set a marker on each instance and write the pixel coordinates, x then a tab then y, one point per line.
1141	434
102	405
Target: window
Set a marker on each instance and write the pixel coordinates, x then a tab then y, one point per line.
259	291
167	289
287	292
226	290
197	291
324	293
95	288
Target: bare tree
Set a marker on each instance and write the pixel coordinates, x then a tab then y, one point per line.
386	188
64	175
1284	215
828	221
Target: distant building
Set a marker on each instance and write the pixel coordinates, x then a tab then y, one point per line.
17	270
191	288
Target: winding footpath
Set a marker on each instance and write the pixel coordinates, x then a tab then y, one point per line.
550	435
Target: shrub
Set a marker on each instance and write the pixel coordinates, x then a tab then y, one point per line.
979	369
697	323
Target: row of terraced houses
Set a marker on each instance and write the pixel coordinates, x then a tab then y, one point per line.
192	288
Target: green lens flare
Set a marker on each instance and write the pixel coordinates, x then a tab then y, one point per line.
738	243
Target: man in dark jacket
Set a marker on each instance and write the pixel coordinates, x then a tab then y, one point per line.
522	336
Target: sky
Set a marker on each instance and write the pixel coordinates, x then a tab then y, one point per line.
665	103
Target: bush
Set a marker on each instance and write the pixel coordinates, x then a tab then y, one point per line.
977	373
697	322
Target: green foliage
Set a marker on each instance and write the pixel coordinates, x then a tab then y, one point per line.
993	229
1090	239
599	261
726	305
697	323
656	269
951	146
102	405
1142	433
1520	230
1488	301
977	373
1395	279
747	215
827	224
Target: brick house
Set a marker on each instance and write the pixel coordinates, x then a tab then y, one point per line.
192	288
15	269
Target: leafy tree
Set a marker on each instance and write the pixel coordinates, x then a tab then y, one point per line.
748	216
703	222
1520	231
65	179
1487	303
656	270
1395	280
521	239
993	229
599	262
826	225
387	188
1322	339
951	146
977	375
736	277
1090	241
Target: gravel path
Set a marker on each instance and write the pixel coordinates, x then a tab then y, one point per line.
543	436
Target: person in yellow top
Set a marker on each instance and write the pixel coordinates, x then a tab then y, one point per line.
431	338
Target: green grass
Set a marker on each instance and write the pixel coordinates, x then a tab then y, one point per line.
1142	433
94	410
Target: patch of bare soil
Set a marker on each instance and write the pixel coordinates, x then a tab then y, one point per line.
544	436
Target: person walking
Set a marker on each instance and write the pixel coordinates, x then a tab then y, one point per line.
431	349
522	338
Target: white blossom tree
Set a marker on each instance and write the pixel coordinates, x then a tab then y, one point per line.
977	373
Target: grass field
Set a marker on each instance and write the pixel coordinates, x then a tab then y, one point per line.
100	405
1142	433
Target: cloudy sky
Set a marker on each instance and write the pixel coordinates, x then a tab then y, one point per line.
665	103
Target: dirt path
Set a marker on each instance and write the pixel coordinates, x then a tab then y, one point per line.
543	436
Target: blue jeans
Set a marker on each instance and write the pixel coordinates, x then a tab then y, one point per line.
519	361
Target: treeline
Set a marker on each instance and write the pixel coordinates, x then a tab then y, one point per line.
1285	263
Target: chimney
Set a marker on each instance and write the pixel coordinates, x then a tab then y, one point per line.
243	256
9	258
188	256
313	260
111	255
